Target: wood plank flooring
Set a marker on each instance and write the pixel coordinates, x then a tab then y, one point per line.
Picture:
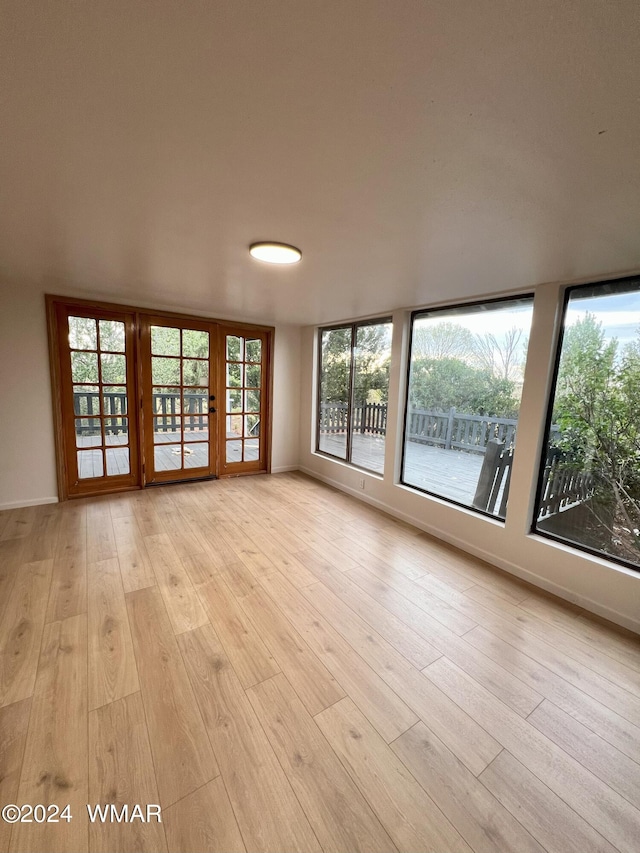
283	668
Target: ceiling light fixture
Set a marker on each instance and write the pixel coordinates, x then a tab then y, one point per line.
275	253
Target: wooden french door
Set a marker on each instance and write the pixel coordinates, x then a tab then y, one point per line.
179	398
244	379
144	398
97	388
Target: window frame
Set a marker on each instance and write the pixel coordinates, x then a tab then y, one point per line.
459	306
353	326
550	402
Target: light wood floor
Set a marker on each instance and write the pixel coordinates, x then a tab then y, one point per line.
283	669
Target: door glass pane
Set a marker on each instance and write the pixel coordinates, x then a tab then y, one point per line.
234	375
86	400
253	351
234	348
165	371
195	408
251	450
114	400
234	400
234	426
234	451
84	367
195	344
334	391
465	383
166	401
90	464
372	359
88	432
116	431
253	376
82	333
167	429
195	372
165	340
167	457
117	461
114	368
196	455
251	425
111	338
252	401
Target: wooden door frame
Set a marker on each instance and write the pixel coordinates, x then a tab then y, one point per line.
54	302
266	408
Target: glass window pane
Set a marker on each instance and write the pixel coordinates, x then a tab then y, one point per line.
252	378
234	426
234	401
116	431
334	391
167	429
196	455
90	464
82	333
465	382
251	425
372	357
251	450
195	344
117	461
590	472
166	401
234	375
114	400
253	351
195	408
114	368
165	340
84	367
88	432
111	338
86	400
252	401
167	457
235	349
165	371
195	372
234	451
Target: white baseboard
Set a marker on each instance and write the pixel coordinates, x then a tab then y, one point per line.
507	566
282	469
32	502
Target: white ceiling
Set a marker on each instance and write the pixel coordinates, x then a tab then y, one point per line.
414	151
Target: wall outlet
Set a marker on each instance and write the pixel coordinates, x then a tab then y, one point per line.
361	483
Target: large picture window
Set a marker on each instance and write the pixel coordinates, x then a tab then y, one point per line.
589	485
465	381
353	392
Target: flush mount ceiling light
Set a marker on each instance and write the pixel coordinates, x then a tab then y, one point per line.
275	253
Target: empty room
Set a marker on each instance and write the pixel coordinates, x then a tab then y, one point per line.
319	426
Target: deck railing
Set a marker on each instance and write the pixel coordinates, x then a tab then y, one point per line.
166	410
442	429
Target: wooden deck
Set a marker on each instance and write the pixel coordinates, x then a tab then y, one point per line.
167	458
284	668
450	473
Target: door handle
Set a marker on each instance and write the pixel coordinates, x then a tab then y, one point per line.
212	409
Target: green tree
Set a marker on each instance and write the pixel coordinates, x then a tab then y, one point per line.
597	410
439	384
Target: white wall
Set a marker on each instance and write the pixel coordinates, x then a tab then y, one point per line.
593	583
27	452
